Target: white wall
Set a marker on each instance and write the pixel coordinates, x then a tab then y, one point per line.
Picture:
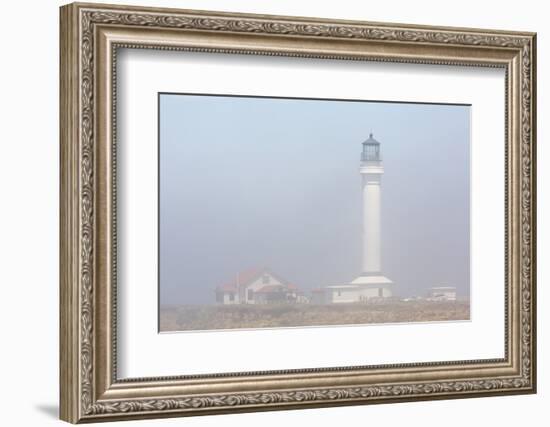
29	215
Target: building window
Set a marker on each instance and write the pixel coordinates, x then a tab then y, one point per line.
265	279
231	297
339	293
380	292
250	294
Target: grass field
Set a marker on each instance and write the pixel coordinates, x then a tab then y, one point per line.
208	317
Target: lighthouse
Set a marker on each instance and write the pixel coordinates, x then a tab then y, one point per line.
371	171
371	282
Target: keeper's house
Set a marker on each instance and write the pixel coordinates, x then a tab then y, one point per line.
258	286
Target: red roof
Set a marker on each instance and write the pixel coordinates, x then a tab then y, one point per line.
243	278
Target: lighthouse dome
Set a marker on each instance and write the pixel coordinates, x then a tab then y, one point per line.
371	140
371	150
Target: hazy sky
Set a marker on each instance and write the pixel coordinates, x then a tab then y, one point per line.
248	182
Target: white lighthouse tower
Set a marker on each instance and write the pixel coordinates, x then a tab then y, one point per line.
371	283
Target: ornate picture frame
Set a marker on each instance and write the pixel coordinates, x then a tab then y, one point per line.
90	388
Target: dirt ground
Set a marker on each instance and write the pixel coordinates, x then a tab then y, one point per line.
208	317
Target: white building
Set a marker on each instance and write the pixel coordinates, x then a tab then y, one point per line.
257	286
442	293
371	283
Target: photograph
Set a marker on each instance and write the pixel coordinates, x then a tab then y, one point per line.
301	212
289	208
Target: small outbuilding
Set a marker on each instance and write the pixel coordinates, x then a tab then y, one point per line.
442	293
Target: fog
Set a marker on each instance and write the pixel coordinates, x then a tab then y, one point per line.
251	182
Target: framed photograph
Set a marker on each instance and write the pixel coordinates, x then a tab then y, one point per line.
267	212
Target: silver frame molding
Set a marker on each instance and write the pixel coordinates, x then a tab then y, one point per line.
90	37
